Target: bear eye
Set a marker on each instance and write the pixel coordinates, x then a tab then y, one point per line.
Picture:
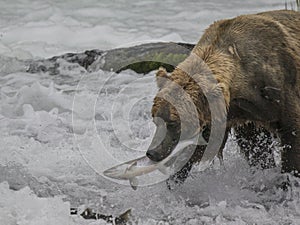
206	132
172	125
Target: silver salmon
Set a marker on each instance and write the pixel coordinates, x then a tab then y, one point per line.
143	165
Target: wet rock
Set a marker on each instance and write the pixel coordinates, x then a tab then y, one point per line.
142	59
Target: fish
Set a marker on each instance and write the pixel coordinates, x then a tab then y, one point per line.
134	168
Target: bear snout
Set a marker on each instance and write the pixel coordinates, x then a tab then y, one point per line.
154	155
161	151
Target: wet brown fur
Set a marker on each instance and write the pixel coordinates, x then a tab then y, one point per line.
255	60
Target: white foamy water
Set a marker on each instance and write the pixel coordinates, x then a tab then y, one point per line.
58	132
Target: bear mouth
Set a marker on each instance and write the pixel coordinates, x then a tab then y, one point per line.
157	156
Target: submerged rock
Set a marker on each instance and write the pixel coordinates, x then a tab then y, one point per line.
88	214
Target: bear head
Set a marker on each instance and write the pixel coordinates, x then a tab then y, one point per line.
181	108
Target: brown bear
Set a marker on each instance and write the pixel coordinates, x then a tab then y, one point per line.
253	63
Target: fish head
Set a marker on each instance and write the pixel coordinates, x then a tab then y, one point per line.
117	172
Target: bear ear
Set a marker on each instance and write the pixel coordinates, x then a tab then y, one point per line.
161	77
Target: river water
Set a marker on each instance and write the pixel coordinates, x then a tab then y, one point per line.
57	133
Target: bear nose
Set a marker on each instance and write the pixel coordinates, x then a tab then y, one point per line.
154	155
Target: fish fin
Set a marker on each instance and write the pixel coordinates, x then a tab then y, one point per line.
134	183
130	166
